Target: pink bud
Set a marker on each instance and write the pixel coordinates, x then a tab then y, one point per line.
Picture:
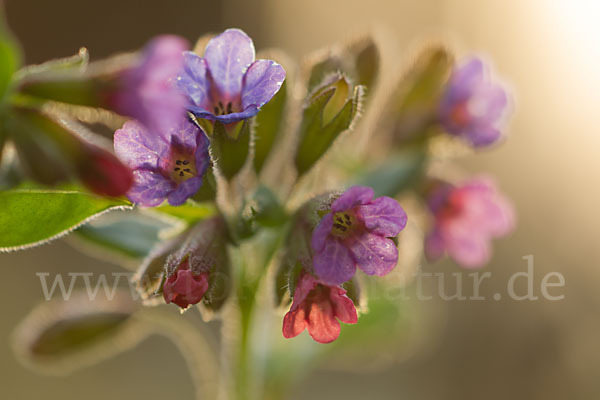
184	287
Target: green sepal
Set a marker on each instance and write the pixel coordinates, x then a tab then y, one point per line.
324	118
269	122
230	146
412	108
359	60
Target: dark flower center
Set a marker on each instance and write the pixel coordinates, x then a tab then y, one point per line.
182	168
344	223
221	109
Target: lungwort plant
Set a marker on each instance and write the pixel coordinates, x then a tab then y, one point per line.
270	197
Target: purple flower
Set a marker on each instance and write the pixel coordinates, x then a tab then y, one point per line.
165	166
356	234
466	218
227	84
473	107
146	92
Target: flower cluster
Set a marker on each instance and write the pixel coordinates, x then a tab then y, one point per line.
355	233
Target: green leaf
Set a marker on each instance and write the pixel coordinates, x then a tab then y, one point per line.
325	117
31	217
129	234
269	122
190	212
397	173
60	336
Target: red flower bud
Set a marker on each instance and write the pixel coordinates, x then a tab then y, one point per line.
103	173
185	287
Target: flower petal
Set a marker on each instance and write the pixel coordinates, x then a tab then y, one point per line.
193	80
343	307
354	196
149	188
202	156
305	285
334	264
294	323
482	135
321	232
434	246
138	148
384	216
488	211
186	133
148	93
262	80
226	118
184	191
228	57
467	77
322	325
374	254
466	248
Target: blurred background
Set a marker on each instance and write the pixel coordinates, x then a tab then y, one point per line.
549	53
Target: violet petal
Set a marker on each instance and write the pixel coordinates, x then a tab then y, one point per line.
228	57
334	265
193	80
138	148
321	233
374	254
384	216
149	188
354	196
262	80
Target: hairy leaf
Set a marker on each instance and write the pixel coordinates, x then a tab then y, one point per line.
31	217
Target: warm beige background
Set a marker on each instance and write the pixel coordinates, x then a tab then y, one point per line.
548	50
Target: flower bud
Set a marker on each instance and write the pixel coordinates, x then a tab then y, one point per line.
330	110
199	270
52	151
103	173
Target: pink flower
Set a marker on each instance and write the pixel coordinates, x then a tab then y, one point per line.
356	233
185	287
317	307
466	218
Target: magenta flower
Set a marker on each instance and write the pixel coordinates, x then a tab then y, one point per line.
185	287
316	307
473	107
356	234
165	166
146	92
227	84
466	218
